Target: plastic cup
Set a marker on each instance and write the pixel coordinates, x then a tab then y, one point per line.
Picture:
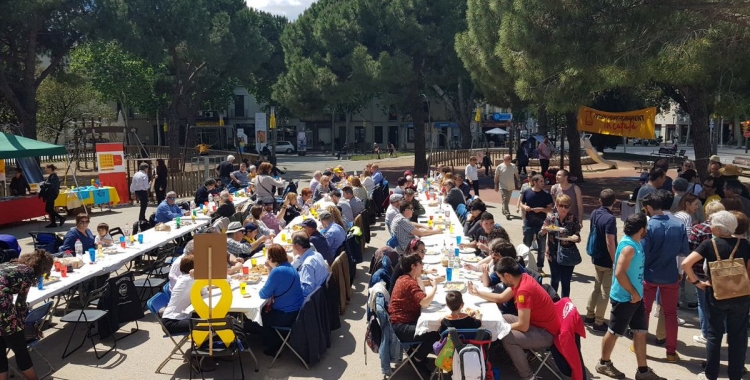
451	229
254	262
455	252
448	274
283	237
122	241
40	283
92	255
243	289
245	270
57	266
458	239
63	271
140	238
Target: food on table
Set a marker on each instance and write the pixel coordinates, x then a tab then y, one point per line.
471	259
71	262
473	312
51	280
259	269
455	285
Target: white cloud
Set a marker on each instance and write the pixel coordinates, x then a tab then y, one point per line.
289	8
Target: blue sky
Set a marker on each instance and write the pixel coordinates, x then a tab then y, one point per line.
289	8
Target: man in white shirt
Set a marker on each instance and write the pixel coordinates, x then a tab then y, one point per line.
140	187
472	175
174	270
392	210
506	175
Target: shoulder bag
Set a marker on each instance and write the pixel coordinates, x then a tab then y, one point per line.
728	277
269	304
566	256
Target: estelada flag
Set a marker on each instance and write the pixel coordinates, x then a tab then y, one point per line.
634	124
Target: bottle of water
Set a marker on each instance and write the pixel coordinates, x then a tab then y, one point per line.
79	248
457	266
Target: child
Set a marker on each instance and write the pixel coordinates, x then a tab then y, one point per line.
456	318
102	235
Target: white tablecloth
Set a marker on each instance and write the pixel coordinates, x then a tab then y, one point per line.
111	262
429	320
237	201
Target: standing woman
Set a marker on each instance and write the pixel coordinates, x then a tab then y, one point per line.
687	207
522	157
729	315
160	181
562	252
49	191
17	278
563	186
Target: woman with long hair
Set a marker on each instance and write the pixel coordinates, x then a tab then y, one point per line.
290	209
337	218
324	187
687	207
49	191
15	280
160	181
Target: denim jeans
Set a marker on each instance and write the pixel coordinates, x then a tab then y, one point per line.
669	295
730	316
529	233
560	274
702	311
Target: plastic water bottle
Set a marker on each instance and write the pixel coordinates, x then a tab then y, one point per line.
79	248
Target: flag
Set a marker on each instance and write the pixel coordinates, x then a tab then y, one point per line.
478	115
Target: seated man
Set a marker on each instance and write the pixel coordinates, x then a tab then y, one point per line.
236	249
392	210
453	196
311	266
240	179
357	205
333	232
400	186
203	194
418	208
344	206
168	209
462	185
537	322
478	234
252	238
405	229
318	241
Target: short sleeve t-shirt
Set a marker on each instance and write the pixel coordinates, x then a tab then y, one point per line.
725	248
530	295
225	169
605	224
405	299
535	199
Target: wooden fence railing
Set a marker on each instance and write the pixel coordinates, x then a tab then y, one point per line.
460	158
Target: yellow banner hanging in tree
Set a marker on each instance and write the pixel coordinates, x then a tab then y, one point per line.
634	124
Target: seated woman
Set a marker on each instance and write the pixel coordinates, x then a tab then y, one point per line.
324	187
407	300
290	209
227	206
304	200
175	319
284	286
80	232
416	247
254	217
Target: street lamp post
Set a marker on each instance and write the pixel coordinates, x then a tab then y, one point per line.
429	126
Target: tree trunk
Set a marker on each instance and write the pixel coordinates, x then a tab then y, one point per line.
574	143
697	107
543	121
173	134
420	147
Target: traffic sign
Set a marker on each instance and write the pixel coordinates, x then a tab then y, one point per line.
747	133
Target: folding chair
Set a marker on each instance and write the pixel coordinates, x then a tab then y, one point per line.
461	212
284	333
544	356
214	327
392	242
152	280
166	290
89	317
116	231
468	336
405	346
48	241
154	304
34	321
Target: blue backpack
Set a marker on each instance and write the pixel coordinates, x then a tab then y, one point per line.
591	243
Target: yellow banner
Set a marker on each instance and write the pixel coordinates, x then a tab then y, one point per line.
634	124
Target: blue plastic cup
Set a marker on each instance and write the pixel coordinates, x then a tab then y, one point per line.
449	274
140	238
458	239
92	254
455	252
40	283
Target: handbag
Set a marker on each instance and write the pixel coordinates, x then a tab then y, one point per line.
269	304
567	256
728	277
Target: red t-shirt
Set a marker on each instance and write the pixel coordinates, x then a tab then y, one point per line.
530	295
405	299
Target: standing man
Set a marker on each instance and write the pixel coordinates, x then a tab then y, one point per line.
545	152
537	203
604	225
140	187
666	239
627	304
656	180
506	175
733	189
225	169
472	174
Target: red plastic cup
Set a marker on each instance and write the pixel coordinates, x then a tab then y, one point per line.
122	244
57	266
245	270
63	271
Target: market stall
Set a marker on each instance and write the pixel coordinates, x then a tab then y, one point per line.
18	147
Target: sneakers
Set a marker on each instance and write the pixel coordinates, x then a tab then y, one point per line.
702	376
601	327
700	339
648	375
589	320
661	342
608	369
680	321
673	358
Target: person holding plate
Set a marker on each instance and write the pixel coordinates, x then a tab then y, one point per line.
563	232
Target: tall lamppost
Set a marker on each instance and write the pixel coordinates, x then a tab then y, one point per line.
429	126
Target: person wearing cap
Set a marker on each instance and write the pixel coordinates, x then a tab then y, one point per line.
418	208
680	187
333	232
336	177
733	189
405	230
357	205
311	266
731	172
225	169
251	237
236	248
168	209
268	218
392	210
319	242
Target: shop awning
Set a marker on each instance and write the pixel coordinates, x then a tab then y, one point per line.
437	124
12	146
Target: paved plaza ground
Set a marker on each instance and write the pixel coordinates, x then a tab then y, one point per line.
138	356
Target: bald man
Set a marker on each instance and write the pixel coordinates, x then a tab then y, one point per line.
506	175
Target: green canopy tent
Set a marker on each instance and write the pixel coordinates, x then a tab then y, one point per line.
12	146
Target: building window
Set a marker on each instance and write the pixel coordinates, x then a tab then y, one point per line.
378	138
392	116
410	135
359	135
239	106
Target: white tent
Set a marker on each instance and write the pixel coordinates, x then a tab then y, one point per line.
496	131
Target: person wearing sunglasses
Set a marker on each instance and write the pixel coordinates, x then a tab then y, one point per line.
562	252
80	232
168	209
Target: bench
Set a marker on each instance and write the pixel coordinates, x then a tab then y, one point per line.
742	163
664	152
